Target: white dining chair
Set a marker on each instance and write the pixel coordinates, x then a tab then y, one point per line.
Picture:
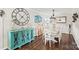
50	32
48	37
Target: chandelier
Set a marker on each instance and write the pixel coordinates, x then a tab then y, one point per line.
53	15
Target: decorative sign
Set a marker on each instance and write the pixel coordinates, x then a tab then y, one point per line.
20	16
38	19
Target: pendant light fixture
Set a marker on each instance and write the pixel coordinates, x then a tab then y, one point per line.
53	15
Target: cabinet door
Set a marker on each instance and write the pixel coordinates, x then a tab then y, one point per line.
32	34
19	38
23	37
11	40
16	39
28	37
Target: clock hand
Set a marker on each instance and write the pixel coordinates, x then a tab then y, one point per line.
25	16
22	16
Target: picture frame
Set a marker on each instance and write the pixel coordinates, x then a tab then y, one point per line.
61	19
37	19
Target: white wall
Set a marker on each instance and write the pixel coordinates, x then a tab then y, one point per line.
44	12
1	33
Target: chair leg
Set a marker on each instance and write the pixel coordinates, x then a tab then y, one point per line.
59	41
49	43
45	42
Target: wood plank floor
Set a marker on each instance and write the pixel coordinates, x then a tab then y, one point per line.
67	43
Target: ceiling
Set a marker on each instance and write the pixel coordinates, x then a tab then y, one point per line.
58	11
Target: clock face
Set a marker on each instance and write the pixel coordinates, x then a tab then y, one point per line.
20	16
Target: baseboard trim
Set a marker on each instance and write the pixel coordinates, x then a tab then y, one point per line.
6	49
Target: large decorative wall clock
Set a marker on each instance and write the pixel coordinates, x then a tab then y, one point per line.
20	16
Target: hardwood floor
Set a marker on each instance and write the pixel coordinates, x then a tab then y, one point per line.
67	43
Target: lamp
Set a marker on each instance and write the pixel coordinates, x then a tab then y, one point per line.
53	20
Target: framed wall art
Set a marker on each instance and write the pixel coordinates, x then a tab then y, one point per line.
61	19
37	19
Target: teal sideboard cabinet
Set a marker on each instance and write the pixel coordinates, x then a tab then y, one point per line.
20	37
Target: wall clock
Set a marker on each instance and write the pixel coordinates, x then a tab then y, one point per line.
20	16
